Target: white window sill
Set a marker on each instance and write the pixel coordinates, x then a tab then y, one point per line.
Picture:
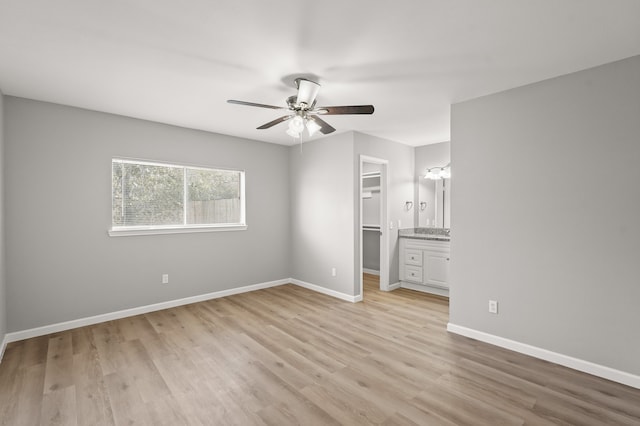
126	232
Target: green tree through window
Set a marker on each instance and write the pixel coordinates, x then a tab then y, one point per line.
152	195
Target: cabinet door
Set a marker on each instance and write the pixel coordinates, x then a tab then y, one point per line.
436	268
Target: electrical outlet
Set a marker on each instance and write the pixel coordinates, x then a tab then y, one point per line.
399	224
165	278
333	272
493	306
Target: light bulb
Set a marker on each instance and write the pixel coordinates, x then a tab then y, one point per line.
312	126
296	124
436	173
293	133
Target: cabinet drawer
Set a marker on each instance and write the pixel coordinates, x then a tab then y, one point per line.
413	274
413	257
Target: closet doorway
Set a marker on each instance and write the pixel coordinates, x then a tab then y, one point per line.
374	234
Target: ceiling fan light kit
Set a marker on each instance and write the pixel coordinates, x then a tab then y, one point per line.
303	112
312	126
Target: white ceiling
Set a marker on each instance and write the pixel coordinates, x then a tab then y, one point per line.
178	62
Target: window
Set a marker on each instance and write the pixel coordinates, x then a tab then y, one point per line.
162	198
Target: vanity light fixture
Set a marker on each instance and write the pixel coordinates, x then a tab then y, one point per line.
408	205
435	173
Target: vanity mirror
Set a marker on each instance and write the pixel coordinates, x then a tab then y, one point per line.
434	195
433	185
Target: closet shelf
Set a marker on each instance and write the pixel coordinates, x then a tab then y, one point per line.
370	175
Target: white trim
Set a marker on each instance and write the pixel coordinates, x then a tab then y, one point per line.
327	291
384	215
81	322
174	230
371	271
5	341
425	288
170	163
123	231
557	358
394	286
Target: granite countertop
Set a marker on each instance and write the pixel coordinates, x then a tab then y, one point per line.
433	234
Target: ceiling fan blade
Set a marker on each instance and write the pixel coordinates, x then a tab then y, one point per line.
233	101
347	109
325	128
274	122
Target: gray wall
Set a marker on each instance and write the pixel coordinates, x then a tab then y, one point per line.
371	250
428	156
324	206
3	285
322	228
401	178
546	214
61	265
301	214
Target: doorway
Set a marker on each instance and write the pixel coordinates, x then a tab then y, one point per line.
372	223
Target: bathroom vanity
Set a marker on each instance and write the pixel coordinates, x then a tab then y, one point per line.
424	260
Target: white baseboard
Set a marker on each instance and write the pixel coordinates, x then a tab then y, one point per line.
394	286
82	322
565	360
425	289
327	291
557	358
5	341
371	271
68	325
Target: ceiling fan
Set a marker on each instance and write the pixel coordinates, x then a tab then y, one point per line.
303	112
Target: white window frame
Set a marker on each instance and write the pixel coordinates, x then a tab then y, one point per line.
119	231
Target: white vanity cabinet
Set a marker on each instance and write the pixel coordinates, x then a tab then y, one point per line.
424	265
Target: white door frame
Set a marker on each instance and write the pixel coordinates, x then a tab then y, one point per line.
384	226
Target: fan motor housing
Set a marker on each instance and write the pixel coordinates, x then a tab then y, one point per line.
292	102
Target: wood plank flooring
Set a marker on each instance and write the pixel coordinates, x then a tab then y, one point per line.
287	355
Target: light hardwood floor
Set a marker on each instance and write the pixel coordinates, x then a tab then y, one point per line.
287	355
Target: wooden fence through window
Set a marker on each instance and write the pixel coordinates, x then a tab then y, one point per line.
214	211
